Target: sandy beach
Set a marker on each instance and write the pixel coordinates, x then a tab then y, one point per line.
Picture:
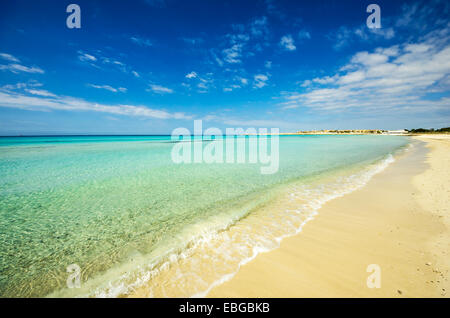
399	221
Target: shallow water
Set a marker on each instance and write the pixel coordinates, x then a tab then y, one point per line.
134	221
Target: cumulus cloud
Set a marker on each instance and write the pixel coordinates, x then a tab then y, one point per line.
243	41
203	82
287	42
191	75
399	77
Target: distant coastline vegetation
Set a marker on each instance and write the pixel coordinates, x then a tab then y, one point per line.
444	130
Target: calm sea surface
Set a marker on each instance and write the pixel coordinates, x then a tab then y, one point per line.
131	218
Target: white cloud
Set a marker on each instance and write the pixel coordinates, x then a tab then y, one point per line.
202	81
31	83
365	33
40	92
238	38
231	87
216	58
320	80
160	89
233	54
13	86
109	88
67	103
16	68
84	57
352	77
417	48
396	78
191	75
251	36
344	35
287	42
258	27
417	16
202	85
369	59
141	41
117	64
101	62
9	57
243	80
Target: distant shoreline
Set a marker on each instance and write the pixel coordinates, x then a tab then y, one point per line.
312	133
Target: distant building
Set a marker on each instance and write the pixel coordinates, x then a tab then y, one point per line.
396	132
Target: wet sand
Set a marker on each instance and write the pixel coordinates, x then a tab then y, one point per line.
399	221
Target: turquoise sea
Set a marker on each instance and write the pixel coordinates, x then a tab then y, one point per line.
135	221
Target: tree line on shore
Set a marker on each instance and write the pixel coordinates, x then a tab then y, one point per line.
430	130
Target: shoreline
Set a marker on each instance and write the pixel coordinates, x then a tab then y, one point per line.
292	205
393	222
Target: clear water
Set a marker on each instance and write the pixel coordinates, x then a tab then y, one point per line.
118	207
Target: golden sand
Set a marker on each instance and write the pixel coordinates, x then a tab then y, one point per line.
398	221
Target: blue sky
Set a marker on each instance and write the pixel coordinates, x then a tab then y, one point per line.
149	66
